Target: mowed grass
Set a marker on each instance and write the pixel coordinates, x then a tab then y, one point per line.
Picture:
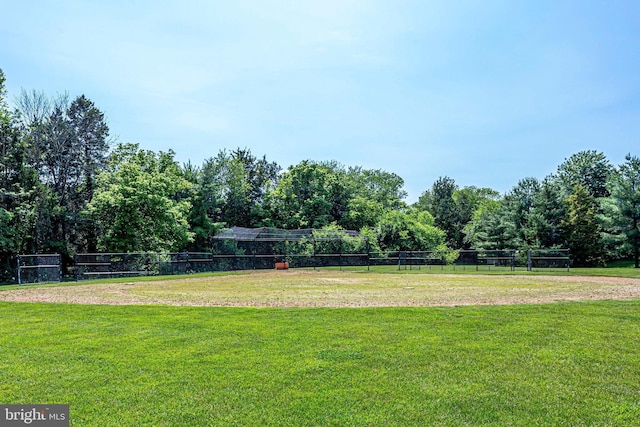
568	363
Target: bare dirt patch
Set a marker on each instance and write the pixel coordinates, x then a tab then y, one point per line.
337	289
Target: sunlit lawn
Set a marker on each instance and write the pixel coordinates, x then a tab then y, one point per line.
550	364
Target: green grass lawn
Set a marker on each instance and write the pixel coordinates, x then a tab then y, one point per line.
548	364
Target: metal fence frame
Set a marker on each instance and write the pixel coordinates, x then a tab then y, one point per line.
109	265
45	268
254	248
531	259
131	264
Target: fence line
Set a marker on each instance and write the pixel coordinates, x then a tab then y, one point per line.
47	267
103	265
38	268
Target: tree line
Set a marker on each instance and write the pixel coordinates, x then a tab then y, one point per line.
65	187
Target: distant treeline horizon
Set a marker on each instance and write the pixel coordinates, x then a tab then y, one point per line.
66	188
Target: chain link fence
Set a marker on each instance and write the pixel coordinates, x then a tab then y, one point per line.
266	256
478	260
267	248
39	268
110	265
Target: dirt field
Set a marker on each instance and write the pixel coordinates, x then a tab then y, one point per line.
336	289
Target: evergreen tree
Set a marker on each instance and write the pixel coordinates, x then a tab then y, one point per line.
544	223
19	190
588	168
623	207
440	204
582	229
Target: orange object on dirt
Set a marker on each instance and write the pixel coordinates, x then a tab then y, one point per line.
282	265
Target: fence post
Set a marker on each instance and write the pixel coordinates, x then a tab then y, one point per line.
19	272
368	254
253	247
286	247
513	260
529	262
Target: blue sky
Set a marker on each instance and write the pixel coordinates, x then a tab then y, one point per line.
485	92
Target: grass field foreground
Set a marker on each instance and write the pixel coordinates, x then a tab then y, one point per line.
559	363
550	364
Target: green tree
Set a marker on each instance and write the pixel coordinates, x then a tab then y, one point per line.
492	227
204	206
548	210
383	188
230	190
7	141
516	209
589	169
467	200
136	205
623	207
66	142
19	189
237	205
440	204
261	176
309	195
90	134
582	229
412	231
20	193
361	213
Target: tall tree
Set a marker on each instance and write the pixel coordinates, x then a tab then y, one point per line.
248	180
382	187
371	192
467	200
136	205
517	206
66	143
231	188
589	169
7	141
261	175
440	204
492	227
19	189
90	143
544	222
407	231
582	229
203	206
309	195
623	207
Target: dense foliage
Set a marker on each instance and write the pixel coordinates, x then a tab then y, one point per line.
64	189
